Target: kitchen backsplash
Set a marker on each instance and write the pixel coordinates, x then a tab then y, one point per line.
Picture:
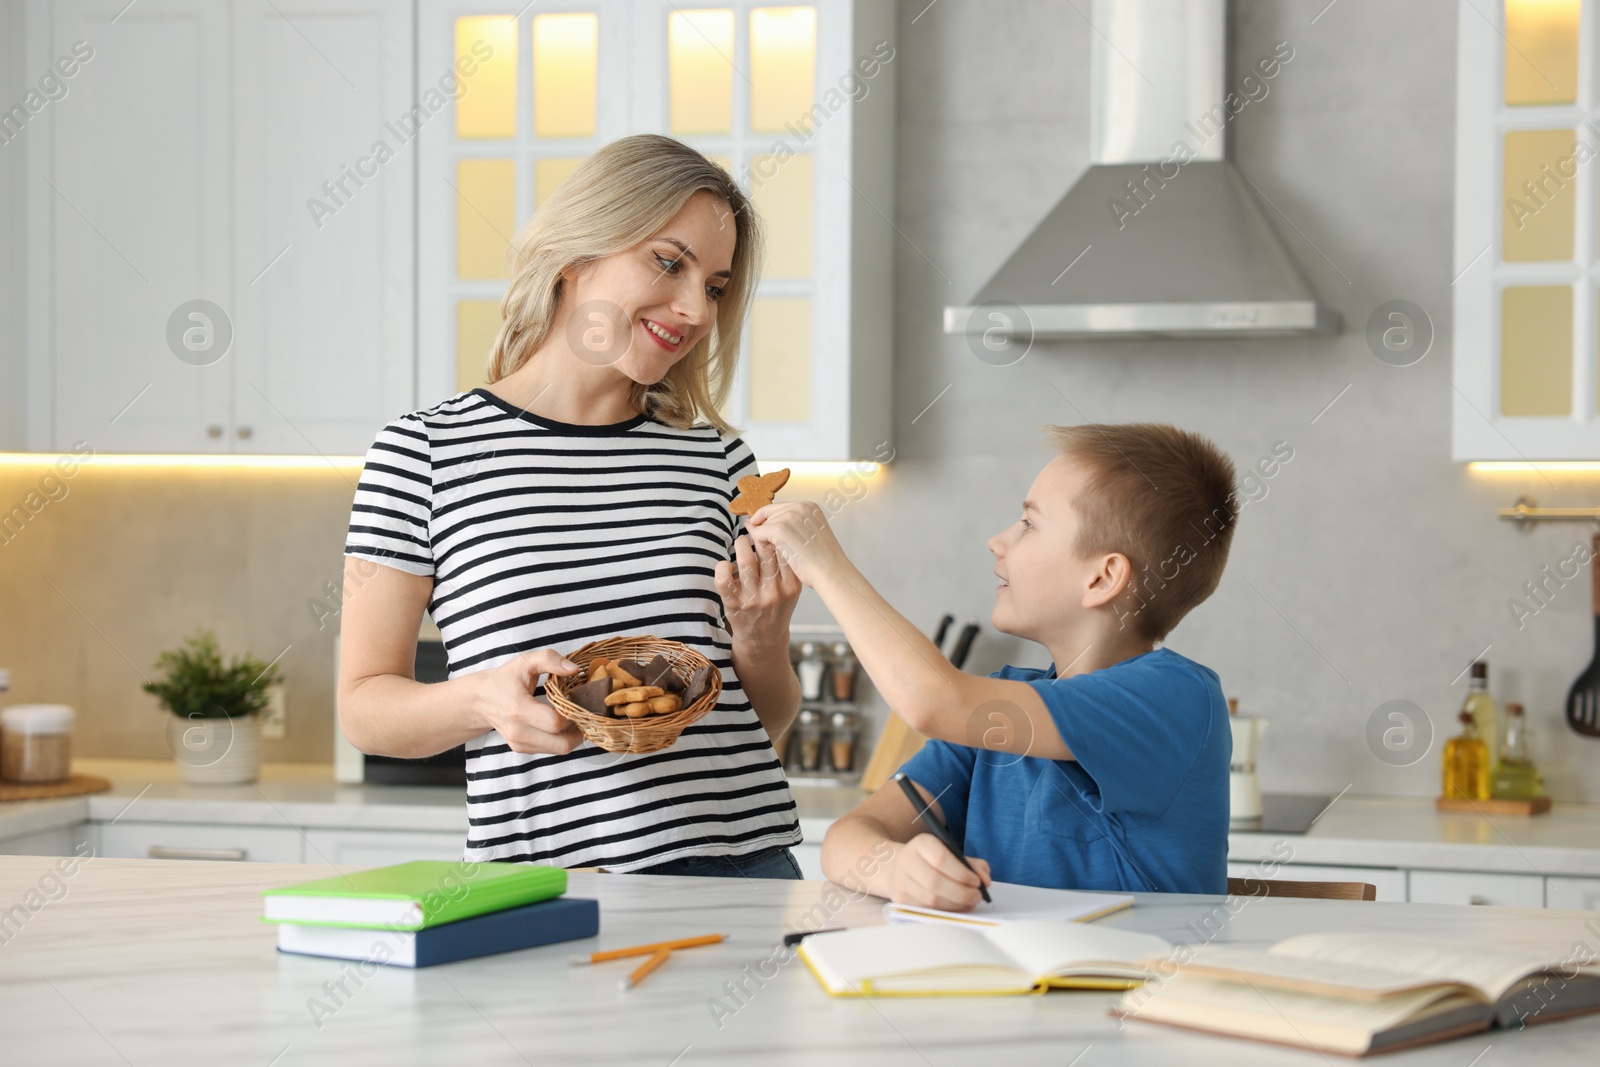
125	562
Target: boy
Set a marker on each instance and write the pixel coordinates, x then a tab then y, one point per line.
1110	769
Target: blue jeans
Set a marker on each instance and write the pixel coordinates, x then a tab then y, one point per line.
774	862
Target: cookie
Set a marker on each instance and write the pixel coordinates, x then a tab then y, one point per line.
591	695
699	685
636	669
634	694
757	490
659	672
664	705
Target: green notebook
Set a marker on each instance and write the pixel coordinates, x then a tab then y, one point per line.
413	896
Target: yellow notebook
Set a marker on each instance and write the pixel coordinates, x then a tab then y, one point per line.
933	959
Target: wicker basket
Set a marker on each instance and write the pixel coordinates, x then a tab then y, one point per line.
649	733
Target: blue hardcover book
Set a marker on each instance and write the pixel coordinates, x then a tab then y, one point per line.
542	923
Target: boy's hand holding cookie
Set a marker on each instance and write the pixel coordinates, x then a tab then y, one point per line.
799	534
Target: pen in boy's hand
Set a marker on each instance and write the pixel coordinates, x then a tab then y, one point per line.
939	830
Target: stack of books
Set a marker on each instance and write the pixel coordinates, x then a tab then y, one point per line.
428	912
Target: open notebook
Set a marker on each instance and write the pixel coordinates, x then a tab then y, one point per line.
1018	903
1358	994
965	960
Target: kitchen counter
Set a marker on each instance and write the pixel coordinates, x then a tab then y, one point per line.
1400	832
1408	832
140	961
302	795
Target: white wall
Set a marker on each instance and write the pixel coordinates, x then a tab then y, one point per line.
13	169
1375	569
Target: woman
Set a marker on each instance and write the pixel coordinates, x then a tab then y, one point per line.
584	495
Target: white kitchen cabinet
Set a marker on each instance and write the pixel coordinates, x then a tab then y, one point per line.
223	152
1581	893
128	219
1527	276
380	848
1476	887
1390	883
796	100
324	228
57	841
200	841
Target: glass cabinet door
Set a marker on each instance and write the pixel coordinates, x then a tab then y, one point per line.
527	105
740	81
1528	279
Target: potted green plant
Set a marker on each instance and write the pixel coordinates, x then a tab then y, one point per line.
215	729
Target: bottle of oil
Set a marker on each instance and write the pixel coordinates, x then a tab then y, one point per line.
1466	763
1515	776
1481	705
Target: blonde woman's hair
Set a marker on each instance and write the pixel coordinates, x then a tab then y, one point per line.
614	200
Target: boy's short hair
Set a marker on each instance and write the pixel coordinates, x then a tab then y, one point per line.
1163	497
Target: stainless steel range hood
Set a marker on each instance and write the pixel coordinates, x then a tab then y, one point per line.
1161	237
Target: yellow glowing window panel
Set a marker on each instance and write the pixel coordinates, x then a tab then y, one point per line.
1536	350
566	50
486	216
488	106
477	323
783	66
780	359
1542	51
782	193
1540	174
549	173
700	71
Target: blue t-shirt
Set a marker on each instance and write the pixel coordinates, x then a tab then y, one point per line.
1142	806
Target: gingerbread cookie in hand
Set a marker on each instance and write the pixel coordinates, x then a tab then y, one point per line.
757	490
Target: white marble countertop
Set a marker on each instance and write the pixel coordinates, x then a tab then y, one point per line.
145	962
1407	832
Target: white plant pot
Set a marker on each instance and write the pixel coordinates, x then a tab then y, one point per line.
225	751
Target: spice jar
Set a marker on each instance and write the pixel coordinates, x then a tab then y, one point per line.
808	735
810	668
36	743
842	733
843	673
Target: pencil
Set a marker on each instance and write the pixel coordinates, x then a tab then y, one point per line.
646	950
645	968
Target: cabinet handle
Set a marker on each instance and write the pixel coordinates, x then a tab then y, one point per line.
244	433
162	852
213	431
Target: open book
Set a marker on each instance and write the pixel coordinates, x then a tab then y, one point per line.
1018	903
1017	957
1358	994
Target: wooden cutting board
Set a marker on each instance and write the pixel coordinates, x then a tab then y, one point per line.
76	786
896	744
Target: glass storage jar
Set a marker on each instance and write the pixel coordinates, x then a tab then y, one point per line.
36	743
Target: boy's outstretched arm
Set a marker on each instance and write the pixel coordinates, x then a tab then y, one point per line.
916	680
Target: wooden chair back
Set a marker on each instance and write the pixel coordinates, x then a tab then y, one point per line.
1263	887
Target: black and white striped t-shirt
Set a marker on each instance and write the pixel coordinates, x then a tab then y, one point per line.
541	534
